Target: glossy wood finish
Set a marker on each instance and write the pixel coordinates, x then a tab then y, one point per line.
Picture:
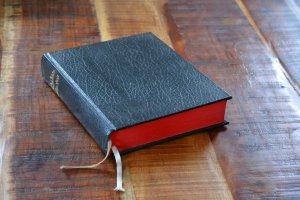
279	22
249	47
259	151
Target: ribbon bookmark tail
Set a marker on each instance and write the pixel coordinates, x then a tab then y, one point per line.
119	170
118	162
89	166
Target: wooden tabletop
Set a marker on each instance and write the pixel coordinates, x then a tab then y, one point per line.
249	47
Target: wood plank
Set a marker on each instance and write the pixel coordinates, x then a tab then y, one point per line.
259	150
37	123
7	46
279	22
183	169
123	18
39	133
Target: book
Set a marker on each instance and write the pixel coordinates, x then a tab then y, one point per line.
134	91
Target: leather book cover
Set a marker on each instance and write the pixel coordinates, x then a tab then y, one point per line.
136	81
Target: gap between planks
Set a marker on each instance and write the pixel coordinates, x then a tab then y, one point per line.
268	44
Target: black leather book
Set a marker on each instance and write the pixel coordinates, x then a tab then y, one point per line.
134	91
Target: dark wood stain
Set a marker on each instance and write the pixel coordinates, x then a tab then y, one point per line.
279	21
46	135
259	149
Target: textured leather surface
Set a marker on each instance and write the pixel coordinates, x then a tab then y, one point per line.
88	116
132	80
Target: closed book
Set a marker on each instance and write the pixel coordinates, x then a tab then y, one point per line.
134	91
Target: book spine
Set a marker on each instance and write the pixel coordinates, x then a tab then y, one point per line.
93	120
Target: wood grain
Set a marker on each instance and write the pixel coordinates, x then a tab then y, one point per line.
279	22
7	24
123	18
249	47
40	133
259	150
171	170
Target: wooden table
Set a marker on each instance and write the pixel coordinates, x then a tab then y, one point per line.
250	47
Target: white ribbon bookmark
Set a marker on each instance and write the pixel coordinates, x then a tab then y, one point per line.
119	169
118	162
90	166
